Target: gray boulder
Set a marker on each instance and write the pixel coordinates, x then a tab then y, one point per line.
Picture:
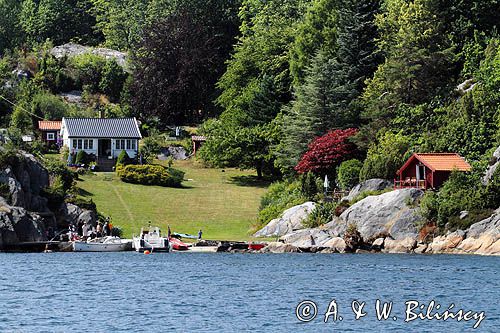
71	50
306	238
368	185
289	221
494	165
19	225
177	153
391	213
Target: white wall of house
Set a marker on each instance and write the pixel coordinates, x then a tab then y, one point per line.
90	146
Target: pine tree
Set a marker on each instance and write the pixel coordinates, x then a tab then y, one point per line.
327	98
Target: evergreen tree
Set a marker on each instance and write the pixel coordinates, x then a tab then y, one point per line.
327	98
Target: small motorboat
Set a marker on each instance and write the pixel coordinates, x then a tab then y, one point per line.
256	246
103	244
178	245
151	240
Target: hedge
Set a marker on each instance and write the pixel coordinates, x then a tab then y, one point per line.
150	174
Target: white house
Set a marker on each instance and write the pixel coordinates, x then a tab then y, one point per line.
103	137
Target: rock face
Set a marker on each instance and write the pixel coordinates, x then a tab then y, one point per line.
288	222
494	165
73	214
390	213
368	185
71	50
19	225
25	180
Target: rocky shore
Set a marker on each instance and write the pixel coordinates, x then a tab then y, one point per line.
25	215
386	223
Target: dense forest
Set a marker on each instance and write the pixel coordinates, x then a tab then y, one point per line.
344	88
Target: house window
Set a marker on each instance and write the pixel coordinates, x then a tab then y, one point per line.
130	144
120	144
74	144
79	144
51	136
88	144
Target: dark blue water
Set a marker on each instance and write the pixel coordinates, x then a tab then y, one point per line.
63	292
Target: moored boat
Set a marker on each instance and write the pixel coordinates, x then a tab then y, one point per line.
151	240
178	245
104	244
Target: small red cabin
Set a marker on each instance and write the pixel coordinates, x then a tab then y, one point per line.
49	130
429	170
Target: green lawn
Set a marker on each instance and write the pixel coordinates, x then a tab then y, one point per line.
223	203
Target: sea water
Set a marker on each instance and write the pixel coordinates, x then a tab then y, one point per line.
182	292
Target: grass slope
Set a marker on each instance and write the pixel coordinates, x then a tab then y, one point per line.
223	204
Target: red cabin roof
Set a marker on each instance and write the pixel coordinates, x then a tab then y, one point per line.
49	125
439	162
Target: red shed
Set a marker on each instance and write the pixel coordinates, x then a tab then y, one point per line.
50	130
198	141
429	170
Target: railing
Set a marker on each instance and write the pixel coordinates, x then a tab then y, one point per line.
410	183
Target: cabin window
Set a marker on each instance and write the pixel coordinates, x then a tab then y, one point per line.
50	136
133	144
74	144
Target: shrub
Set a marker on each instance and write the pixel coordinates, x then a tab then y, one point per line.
149	174
326	152
151	147
279	197
348	174
55	194
123	158
309	185
81	157
58	169
384	160
322	214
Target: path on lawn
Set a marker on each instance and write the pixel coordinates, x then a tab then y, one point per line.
129	213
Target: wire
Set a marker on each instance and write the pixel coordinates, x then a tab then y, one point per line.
23	109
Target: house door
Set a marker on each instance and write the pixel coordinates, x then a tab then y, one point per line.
420	175
104	148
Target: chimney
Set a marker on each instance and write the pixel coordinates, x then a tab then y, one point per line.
102	113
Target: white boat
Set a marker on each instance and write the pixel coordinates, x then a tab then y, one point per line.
151	240
104	244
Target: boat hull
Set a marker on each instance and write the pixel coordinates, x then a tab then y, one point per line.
98	247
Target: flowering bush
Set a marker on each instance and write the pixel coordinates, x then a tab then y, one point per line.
327	151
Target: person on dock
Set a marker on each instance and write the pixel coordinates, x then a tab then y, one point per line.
85	231
106	229
99	230
200	233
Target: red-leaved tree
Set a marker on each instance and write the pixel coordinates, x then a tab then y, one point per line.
327	152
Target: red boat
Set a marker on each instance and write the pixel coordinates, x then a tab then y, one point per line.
256	246
178	245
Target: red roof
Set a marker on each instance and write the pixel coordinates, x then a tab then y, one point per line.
49	125
439	162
